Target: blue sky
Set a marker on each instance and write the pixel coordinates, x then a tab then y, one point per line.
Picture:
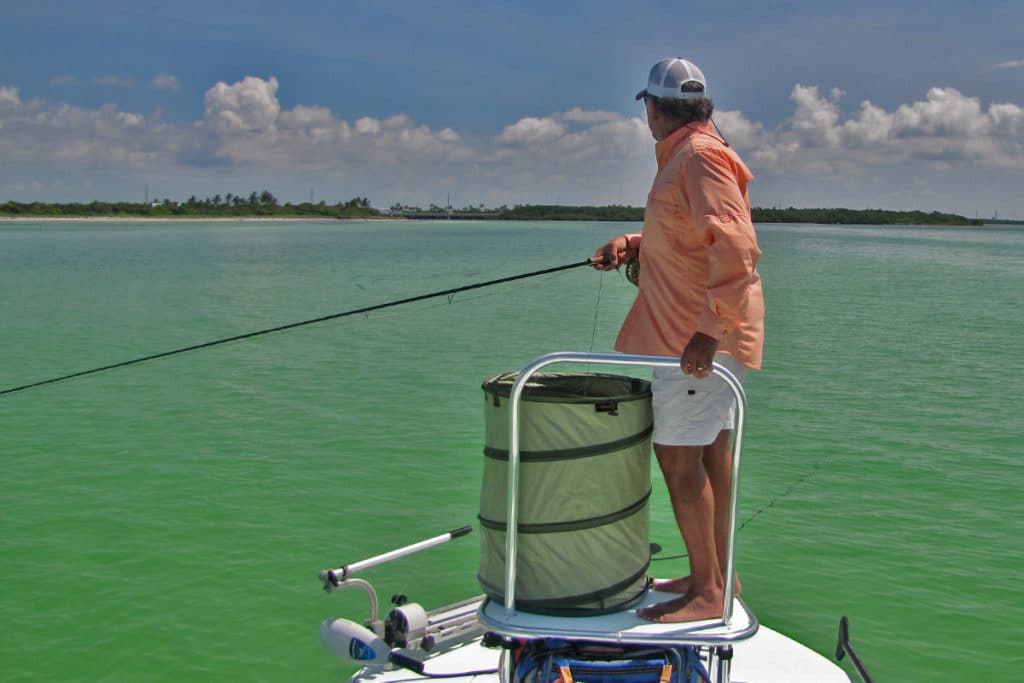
902	105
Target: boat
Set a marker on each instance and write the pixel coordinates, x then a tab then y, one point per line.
491	638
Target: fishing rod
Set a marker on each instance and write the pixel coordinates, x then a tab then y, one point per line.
280	328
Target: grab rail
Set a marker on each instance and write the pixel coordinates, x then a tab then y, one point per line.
614	359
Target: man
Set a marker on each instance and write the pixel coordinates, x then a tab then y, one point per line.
699	298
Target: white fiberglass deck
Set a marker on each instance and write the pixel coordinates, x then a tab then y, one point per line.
767	657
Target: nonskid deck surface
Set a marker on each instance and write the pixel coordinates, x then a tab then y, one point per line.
622	627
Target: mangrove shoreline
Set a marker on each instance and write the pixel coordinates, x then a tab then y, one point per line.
265	206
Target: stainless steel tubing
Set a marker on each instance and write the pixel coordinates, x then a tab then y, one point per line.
623	360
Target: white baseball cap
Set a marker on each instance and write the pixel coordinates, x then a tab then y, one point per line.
668	77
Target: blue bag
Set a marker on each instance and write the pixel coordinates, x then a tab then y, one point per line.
562	661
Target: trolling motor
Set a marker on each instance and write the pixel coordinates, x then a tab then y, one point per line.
408	626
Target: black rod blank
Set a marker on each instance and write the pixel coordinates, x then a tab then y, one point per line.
311	321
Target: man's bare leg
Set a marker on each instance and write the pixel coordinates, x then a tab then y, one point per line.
718	463
717	458
694	507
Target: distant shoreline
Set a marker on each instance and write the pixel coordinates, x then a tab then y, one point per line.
184	219
404	219
264	206
359	209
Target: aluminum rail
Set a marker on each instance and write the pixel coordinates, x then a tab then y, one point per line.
511	541
332	577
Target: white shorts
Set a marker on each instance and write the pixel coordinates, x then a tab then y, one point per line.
690	411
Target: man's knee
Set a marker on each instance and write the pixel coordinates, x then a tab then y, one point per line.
682	466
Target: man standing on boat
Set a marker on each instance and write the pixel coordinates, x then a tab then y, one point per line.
699	298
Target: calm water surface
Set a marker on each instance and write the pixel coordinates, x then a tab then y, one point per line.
166	521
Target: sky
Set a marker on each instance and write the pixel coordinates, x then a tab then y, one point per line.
893	105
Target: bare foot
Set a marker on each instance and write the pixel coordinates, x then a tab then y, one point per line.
695	608
684	609
657	610
681	585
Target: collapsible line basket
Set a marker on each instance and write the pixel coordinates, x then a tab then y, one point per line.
584	485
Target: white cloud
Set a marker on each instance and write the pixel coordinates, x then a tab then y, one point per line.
872	126
249	126
306	117
1007	119
588	116
559	126
1012	64
249	105
9	96
368	126
448	135
944	113
397	122
738	130
532	130
945	126
582	156
114	82
91	140
816	117
165	81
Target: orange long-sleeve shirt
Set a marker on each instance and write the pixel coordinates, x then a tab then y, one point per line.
698	253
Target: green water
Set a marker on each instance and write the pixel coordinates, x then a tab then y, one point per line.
167	521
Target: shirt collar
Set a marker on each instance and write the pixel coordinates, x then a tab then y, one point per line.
665	148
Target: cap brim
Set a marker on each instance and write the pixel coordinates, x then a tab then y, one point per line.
642	94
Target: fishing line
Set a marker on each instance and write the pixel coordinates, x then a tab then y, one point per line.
461	300
281	328
762	509
597	310
593	334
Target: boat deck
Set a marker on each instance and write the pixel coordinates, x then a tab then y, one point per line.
622	627
766	657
